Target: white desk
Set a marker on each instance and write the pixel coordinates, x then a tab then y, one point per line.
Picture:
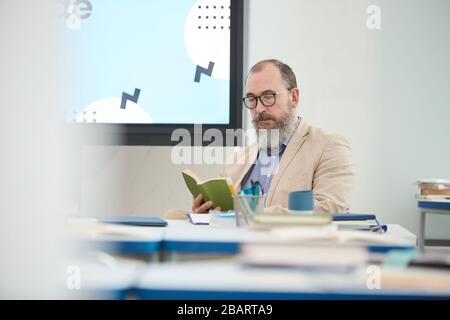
103	279
182	236
116	238
226	279
396	230
230	280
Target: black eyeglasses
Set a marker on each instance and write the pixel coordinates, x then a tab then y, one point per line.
267	99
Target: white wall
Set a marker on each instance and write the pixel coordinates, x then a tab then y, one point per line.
36	153
386	90
135	180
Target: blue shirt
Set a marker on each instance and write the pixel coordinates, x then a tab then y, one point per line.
266	165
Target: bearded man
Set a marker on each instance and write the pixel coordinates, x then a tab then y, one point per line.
290	154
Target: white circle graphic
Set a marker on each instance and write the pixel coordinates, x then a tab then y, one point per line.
108	111
207	36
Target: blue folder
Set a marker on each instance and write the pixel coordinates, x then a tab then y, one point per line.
361	217
353	217
135	221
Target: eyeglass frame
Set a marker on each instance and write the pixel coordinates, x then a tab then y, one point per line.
274	94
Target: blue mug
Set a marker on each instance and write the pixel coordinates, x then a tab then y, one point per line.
301	202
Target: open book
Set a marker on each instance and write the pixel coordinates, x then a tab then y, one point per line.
215	189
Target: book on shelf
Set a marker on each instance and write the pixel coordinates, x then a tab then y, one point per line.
434	181
429	191
433	197
434	186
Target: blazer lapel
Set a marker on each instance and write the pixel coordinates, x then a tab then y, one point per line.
251	158
241	164
292	148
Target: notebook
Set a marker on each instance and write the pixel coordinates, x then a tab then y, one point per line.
358	221
135	221
202	218
198	218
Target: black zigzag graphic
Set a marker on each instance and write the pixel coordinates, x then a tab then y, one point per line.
200	70
126	97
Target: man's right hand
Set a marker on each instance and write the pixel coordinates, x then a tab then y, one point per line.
198	207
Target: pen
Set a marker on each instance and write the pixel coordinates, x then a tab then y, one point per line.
247	205
238	202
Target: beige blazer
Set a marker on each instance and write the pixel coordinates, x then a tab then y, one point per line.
312	160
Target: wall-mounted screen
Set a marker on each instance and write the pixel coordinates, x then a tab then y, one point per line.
153	66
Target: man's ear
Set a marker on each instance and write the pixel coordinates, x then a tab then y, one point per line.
295	97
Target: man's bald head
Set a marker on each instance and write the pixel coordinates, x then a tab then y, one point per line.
286	72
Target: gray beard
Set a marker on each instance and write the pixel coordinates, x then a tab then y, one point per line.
270	140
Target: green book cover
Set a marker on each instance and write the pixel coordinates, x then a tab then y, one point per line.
215	189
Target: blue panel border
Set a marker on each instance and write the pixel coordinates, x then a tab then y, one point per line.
158	294
200	247
131	247
434	205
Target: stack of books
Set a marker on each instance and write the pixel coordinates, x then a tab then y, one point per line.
308	257
434	190
279	217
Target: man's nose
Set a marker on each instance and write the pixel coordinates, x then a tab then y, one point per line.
259	108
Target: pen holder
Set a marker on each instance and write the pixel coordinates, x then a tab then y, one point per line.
246	206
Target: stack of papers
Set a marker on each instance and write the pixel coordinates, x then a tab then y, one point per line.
205	218
198	218
333	235
291	219
305	257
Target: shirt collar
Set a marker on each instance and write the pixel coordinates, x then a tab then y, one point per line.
288	138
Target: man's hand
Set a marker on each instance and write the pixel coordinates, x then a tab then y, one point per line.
197	207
